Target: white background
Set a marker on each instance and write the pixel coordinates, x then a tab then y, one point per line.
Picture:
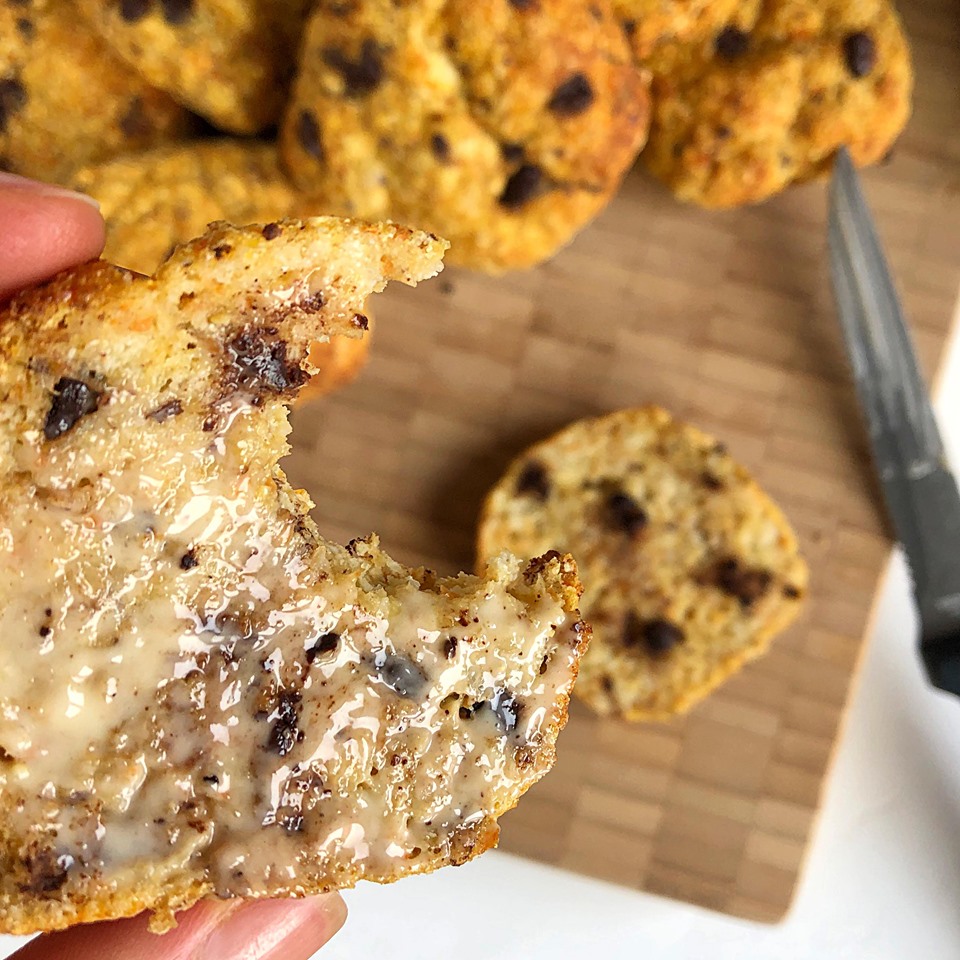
882	881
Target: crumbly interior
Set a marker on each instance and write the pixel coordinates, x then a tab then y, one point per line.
200	696
689	569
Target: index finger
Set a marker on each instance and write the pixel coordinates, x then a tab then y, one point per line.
43	229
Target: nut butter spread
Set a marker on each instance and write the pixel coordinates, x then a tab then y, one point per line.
199	696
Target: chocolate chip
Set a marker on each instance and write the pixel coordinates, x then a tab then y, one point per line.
260	362
47	872
711	482
503	706
13	97
533	480
166	411
511	152
791	592
360	321
312	302
134	122
322	646
623	513
747	584
189	560
176	12
731	42
309	135
221	250
440	147
285	732
859	52
271	231
134	10
45	631
723	132
25	28
661	636
523	185
359	76
212	779
573	96
630	27
72	399
657	636
402	676
450	647
506	709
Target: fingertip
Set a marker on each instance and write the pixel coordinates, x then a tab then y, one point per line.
44	229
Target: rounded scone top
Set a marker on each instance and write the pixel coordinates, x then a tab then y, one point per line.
502	126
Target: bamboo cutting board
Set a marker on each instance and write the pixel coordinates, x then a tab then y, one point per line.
727	320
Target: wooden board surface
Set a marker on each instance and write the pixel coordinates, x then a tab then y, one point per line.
727	320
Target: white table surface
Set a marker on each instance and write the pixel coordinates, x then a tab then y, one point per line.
882	881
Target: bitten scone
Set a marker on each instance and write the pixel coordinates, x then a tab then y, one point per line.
154	200
230	60
767	100
200	697
688	568
66	100
502	126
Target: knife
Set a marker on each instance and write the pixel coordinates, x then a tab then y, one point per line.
919	490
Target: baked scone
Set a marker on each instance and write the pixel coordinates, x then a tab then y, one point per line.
230	60
200	697
502	126
767	100
66	100
688	568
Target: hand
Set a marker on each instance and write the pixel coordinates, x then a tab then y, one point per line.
44	229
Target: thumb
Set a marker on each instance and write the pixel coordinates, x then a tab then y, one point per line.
43	229
212	930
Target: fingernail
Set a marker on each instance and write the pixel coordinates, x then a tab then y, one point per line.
275	929
16	182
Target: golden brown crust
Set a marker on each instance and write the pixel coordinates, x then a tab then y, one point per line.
689	569
230	60
504	127
768	100
65	100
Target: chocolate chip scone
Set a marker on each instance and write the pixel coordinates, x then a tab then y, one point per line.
502	126
767	100
230	60
66	100
201	697
157	199
689	569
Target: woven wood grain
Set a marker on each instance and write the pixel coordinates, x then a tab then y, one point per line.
727	320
